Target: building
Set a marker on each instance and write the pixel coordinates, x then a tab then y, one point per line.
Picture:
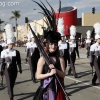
89	19
23	30
86	23
69	15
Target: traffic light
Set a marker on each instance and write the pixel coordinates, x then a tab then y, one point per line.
93	10
26	19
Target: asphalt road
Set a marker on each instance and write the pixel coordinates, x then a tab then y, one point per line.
77	88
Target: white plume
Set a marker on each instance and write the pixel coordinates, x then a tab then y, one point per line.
60	26
96	25
88	33
4	36
73	30
9	31
97	28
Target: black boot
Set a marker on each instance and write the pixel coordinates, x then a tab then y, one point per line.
34	80
76	76
11	98
93	83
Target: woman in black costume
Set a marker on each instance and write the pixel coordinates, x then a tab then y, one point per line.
49	87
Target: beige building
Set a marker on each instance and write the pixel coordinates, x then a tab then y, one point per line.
23	30
89	19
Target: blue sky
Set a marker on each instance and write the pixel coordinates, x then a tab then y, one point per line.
26	8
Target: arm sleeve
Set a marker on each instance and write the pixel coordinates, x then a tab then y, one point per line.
91	54
1	48
2	62
18	60
68	45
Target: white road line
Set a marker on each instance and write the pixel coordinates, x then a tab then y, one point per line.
82	82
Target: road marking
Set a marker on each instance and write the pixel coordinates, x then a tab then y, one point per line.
75	79
82	82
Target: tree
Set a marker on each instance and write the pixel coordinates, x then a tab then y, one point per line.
1	22
16	15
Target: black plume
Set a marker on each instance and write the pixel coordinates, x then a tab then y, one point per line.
50	15
50	19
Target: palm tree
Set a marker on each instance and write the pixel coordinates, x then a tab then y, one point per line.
16	15
1	22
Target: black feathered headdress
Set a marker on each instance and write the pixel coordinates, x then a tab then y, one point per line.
53	37
51	33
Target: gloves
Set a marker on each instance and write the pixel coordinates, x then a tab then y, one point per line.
79	57
91	64
20	71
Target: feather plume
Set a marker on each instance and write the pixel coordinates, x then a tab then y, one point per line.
73	30
97	28
9	31
4	36
50	15
88	33
60	26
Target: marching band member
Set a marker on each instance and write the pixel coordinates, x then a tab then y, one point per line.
10	58
95	54
88	42
49	88
33	56
26	46
44	75
28	41
73	48
63	45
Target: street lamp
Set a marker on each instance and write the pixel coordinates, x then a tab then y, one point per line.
37	9
40	11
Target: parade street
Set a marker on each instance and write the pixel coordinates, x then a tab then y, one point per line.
77	88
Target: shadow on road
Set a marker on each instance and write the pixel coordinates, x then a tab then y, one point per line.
82	74
22	81
26	95
2	87
77	88
85	73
